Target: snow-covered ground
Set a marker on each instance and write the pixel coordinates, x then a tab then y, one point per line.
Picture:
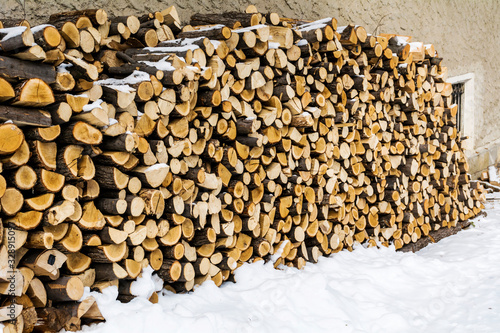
450	286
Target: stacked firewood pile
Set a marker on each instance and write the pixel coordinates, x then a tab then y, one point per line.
133	141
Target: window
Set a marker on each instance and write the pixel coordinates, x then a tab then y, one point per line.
463	96
457	97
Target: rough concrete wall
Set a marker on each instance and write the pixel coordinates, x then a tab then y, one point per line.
465	32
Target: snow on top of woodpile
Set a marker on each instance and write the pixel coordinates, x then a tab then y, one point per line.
162	65
400	41
120	87
215	43
311	26
213	27
188	41
157	166
124	84
79	95
92	106
273	45
253	27
11	32
416	46
40	27
166	49
341	29
306	114
324	21
302	42
63	67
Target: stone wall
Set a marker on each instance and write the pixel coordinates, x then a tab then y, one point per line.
465	33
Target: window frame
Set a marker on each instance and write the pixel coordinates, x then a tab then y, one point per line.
467	114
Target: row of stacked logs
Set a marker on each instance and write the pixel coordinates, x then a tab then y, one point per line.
133	141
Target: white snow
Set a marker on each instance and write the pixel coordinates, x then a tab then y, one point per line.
194	68
167	49
307	114
189	41
81	95
323	22
40	27
276	255
92	106
181	41
135	77
311	26
302	42
123	84
341	29
147	284
119	87
162	65
157	166
273	45
416	47
213	27
215	43
400	41
63	67
450	286
250	28
11	32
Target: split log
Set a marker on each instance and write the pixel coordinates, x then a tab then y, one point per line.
33	93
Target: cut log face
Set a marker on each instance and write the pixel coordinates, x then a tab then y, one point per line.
78	262
49	181
65	289
109	272
82	133
18	159
11	138
6	90
44	134
11	201
34	93
108	253
41	202
72	241
26	220
92	218
152	176
67	161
